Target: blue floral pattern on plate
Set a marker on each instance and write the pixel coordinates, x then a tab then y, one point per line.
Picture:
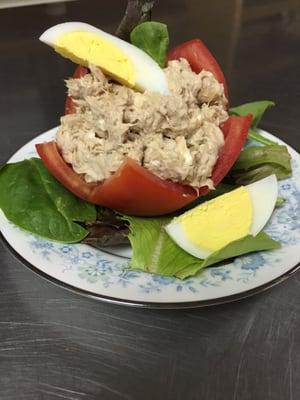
107	274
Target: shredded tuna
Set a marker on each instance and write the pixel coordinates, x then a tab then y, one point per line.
177	137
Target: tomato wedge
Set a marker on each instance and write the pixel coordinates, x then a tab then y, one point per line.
199	58
235	132
70	107
55	164
131	190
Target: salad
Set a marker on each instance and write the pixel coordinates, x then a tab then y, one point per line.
150	153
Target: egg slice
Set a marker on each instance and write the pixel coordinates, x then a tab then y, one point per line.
85	44
212	225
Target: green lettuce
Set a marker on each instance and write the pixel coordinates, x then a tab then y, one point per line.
257	109
153	38
245	245
35	201
154	251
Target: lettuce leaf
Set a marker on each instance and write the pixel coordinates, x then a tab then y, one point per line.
154	251
245	245
35	201
153	38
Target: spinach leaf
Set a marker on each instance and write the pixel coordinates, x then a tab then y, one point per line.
34	200
253	134
257	162
154	251
153	38
257	109
259	172
252	156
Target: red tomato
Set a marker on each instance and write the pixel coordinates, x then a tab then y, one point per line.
55	164
131	190
235	132
70	107
80	71
199	58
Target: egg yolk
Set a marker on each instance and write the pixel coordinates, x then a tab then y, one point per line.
218	222
86	48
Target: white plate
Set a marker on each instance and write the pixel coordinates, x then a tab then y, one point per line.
105	276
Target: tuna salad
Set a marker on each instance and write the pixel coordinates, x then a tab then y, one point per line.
176	137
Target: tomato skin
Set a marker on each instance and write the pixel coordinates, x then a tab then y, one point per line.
235	132
131	190
80	71
199	58
136	191
70	107
55	164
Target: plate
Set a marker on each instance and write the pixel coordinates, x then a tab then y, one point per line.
104	274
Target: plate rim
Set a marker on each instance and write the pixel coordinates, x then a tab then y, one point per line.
150	304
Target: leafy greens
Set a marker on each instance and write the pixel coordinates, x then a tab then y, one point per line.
33	200
257	109
154	251
257	162
108	230
153	38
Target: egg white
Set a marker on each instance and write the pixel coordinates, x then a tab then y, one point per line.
148	74
263	194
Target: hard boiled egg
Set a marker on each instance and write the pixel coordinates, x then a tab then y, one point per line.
84	44
212	225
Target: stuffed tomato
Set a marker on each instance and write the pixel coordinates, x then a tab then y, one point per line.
140	139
